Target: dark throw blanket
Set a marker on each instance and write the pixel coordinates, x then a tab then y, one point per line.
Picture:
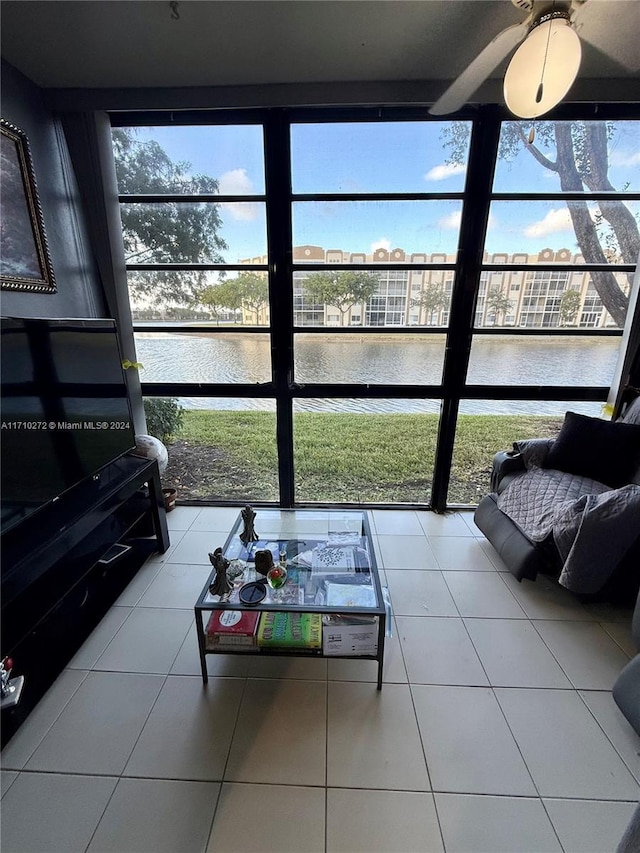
593	526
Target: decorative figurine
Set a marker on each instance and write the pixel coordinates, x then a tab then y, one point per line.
264	561
5	675
10	688
221	585
277	576
248	532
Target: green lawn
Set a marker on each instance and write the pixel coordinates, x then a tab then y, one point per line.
364	458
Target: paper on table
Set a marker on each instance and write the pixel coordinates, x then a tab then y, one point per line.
329	559
350	595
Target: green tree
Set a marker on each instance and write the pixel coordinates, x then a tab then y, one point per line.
341	288
497	303
166	232
250	290
432	299
581	162
569	307
222	298
254	291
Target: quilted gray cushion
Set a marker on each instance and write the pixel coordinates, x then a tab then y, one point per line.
529	499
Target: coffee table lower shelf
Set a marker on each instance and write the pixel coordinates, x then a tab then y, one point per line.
255	651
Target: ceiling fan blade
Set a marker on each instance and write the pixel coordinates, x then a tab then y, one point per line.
477	72
597	24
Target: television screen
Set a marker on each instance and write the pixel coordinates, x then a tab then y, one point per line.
65	408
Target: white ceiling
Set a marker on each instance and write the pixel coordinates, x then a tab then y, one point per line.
125	43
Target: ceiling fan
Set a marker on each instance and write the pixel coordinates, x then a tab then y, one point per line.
543	68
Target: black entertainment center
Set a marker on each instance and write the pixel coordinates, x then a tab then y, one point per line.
80	512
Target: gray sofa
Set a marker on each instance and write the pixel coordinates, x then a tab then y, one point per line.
570	507
528	469
626	692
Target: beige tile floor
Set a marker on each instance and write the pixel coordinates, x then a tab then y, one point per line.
495	729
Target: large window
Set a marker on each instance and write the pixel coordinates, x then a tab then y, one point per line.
371	297
365	451
559	251
193	217
193	210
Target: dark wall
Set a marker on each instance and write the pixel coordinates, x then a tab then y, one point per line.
79	291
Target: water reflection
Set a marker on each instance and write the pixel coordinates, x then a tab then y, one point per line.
508	360
203	358
360	358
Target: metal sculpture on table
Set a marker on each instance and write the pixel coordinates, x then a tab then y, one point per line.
248	531
221	585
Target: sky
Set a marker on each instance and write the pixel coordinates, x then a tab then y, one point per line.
382	157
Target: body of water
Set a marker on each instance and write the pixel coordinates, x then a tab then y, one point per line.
394	360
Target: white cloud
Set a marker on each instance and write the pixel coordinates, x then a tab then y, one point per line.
382	243
452	221
237	182
445	170
556	220
625	158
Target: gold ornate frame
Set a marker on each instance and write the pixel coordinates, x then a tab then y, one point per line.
25	263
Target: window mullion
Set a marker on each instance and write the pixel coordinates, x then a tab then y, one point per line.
279	241
483	152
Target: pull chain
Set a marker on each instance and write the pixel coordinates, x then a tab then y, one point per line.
544	61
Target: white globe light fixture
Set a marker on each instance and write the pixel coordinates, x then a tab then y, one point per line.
544	67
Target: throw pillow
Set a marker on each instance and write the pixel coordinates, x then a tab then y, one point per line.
631	413
534	451
606	451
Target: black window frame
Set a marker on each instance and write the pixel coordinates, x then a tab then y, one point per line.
467	269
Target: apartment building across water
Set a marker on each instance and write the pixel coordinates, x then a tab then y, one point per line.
522	298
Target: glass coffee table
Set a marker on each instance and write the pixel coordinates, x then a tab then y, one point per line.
324	599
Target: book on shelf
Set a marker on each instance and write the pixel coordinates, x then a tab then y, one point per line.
231	628
290	630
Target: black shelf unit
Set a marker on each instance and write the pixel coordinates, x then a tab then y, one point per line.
57	582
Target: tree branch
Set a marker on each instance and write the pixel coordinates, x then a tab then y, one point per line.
586	233
596	178
535	152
